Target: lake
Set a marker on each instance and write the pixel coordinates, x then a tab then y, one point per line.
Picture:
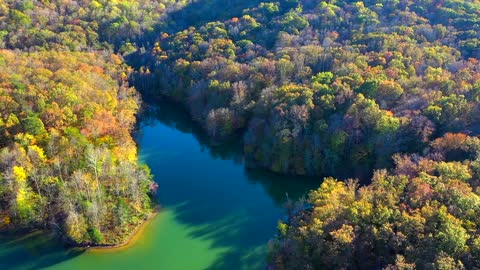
216	214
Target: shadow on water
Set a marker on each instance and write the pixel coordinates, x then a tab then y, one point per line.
279	187
175	116
33	251
232	207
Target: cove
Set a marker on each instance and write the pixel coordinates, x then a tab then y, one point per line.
216	214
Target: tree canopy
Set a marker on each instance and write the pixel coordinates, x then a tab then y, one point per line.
67	158
421	215
381	77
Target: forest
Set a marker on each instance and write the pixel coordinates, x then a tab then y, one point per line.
386	92
383	92
423	214
68	160
322	87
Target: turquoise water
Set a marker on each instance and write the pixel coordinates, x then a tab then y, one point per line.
216	214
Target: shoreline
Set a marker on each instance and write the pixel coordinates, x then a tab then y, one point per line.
131	239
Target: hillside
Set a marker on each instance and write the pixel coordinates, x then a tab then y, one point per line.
68	161
327	87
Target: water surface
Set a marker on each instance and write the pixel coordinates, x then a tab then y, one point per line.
215	213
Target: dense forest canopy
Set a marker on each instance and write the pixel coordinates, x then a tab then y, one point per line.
324	85
318	88
67	157
68	161
80	25
424	214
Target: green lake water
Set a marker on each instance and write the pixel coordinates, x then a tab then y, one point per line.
216	214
